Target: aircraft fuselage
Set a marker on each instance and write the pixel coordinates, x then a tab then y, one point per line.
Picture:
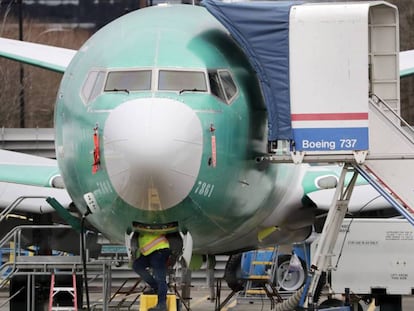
159	119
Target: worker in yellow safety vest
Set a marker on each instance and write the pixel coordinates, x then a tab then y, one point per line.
154	251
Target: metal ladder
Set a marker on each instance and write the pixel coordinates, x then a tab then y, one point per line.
54	291
262	272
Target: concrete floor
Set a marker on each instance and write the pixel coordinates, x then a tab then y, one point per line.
201	302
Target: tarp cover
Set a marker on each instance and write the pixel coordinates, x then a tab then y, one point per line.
262	31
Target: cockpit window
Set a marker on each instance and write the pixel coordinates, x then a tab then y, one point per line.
215	85
93	85
228	84
182	81
132	80
222	85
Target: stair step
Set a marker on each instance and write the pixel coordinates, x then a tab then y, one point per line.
259	277
63	289
262	262
255	292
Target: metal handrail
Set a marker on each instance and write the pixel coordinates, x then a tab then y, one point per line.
15	236
11	297
375	101
4	281
4	213
388	196
18	229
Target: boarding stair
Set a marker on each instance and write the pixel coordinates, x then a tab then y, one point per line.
393	147
385	158
387	166
388	163
389	156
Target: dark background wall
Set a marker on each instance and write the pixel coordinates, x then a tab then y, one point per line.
83	11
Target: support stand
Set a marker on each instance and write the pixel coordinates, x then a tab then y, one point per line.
321	262
211	264
219	305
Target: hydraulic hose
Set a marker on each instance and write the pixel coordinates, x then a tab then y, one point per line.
291	303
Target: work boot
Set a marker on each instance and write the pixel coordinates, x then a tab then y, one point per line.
158	308
149	291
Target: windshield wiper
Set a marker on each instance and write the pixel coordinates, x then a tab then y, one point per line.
190	90
118	90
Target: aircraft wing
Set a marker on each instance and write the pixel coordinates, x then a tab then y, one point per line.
20	168
40	55
407	63
364	198
319	184
31	176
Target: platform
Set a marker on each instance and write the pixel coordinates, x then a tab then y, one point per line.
150	301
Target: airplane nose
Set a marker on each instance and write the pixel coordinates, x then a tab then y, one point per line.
152	151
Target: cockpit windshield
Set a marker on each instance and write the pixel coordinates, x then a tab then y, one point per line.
182	81
128	81
218	82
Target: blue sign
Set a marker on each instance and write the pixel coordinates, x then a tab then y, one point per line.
331	139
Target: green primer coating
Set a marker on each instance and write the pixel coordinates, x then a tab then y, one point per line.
34	62
34	175
71	220
407	72
245	192
311	176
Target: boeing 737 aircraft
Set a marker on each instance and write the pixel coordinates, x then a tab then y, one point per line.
159	119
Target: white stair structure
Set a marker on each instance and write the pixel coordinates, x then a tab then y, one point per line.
393	147
351	115
345	108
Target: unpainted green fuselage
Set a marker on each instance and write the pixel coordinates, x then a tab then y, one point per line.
232	199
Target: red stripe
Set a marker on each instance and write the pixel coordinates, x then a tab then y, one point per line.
96	152
329	116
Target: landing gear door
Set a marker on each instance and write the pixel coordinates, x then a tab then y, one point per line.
187	247
131	243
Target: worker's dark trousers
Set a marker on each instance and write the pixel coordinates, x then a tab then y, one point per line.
157	261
